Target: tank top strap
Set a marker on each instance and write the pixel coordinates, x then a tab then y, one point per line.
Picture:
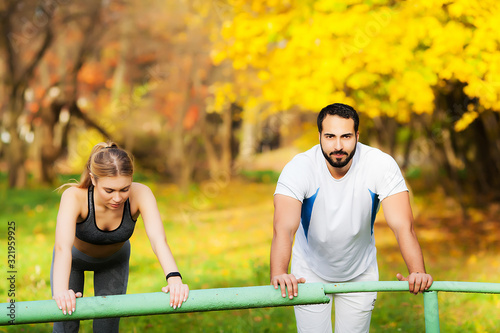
90	203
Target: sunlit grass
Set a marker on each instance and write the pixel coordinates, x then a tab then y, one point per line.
220	234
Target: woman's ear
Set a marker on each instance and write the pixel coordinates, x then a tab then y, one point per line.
92	179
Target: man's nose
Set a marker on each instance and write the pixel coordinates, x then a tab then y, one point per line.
337	144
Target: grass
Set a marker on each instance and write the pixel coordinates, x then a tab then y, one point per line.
220	234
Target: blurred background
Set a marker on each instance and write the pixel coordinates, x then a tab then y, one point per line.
214	97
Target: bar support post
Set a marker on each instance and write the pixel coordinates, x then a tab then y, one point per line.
431	312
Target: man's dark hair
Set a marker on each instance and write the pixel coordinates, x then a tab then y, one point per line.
341	110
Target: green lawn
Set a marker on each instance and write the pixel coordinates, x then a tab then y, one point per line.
220	235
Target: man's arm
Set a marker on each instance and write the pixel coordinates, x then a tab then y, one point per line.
399	217
286	222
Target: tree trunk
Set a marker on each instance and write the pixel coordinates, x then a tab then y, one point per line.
249	140
16	149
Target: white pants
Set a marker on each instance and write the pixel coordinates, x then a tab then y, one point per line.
353	311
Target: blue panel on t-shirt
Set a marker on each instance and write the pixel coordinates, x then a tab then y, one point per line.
375	203
307	207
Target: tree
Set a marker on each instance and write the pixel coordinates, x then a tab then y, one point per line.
432	62
26	36
29	30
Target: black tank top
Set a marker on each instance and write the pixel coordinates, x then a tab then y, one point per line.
89	232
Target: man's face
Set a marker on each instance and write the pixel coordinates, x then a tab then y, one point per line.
338	141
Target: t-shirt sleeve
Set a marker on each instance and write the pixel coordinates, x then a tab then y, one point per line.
390	180
293	180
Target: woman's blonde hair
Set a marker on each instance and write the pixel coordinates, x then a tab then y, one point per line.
106	160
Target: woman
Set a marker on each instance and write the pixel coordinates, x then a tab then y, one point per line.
95	221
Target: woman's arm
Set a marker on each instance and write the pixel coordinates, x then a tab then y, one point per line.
69	211
154	229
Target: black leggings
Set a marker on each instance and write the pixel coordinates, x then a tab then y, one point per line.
110	278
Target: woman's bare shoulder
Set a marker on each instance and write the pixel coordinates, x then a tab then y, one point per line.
140	187
74	203
141	193
75	193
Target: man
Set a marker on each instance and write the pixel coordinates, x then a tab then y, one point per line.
327	198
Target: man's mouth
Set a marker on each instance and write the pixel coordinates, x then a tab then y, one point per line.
338	154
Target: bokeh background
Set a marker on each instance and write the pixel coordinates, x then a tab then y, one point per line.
214	97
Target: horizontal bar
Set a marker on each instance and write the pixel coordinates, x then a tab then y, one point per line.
159	303
450	286
466	287
210	300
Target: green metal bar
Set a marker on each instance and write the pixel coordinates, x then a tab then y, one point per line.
158	303
222	299
431	312
365	286
451	286
431	305
466	287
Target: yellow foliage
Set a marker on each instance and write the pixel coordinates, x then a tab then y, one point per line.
85	141
221	95
467	118
384	57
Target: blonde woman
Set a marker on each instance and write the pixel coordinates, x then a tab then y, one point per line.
95	221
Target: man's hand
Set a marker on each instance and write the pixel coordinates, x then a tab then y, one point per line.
419	282
287	282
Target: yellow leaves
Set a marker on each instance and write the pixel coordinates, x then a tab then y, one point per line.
263	75
451	39
413	88
472	9
466	119
384	58
331	6
221	95
362	79
218	56
488	91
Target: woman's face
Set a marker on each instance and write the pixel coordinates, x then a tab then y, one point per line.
112	192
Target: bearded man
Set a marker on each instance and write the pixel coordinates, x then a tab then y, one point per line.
327	199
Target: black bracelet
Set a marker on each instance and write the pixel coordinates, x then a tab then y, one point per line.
171	274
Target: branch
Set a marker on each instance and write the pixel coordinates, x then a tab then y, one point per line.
7	27
75	110
49	37
86	47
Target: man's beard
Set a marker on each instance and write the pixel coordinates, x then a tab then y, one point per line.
338	163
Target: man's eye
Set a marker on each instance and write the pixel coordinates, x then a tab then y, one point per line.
109	191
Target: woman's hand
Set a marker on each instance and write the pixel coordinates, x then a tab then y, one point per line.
66	300
179	291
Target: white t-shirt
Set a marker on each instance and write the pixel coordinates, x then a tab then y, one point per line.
336	228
